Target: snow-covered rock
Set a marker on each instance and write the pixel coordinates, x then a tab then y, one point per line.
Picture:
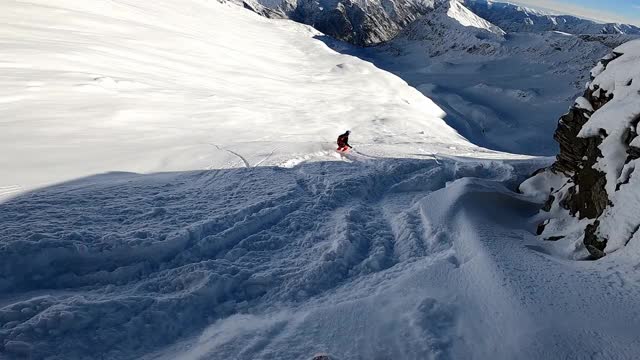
598	202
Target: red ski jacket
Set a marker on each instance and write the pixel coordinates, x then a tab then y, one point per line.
343	140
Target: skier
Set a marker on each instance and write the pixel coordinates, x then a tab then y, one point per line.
343	141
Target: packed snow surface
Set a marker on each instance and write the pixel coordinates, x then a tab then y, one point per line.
249	237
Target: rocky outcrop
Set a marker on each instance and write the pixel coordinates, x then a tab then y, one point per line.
592	180
578	157
357	23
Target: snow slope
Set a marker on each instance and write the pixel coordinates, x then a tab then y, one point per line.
413	247
393	258
120	86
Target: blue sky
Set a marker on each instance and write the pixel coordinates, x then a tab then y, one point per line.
626	11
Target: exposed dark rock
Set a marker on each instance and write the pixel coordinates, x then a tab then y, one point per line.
547	205
606	61
634	153
631	133
591	199
541	227
594	244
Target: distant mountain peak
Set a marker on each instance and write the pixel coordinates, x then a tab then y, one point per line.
456	10
516	18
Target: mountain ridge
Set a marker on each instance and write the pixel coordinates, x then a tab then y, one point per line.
516	18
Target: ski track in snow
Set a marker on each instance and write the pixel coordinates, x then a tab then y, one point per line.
242	158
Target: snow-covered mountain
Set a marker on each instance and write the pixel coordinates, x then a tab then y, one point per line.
593	191
369	22
499	90
450	29
515	18
360	22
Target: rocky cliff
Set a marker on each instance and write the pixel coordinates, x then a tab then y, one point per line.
592	189
360	22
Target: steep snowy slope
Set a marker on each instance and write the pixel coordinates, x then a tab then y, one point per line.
500	91
122	87
514	18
